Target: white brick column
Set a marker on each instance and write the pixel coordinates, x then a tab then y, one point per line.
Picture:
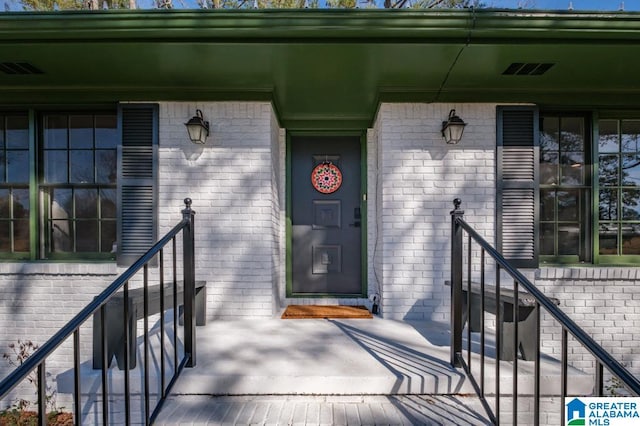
418	177
230	180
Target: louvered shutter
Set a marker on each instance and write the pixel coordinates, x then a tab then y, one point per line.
517	185
137	181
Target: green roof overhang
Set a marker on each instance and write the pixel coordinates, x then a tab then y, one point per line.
322	68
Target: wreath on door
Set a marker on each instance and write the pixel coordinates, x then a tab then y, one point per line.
326	178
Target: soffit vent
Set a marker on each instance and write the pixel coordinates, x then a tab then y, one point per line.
19	68
521	68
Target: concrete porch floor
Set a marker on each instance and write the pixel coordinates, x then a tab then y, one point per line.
328	357
377	371
329	372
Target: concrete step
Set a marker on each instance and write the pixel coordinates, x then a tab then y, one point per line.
322	410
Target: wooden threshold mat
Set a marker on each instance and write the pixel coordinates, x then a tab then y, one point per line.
325	311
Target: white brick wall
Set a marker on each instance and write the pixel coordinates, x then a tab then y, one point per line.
604	301
37	299
419	177
230	180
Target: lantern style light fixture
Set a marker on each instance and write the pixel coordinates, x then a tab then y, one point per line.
198	128
453	128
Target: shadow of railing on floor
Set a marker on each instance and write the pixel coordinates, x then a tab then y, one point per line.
424	410
407	364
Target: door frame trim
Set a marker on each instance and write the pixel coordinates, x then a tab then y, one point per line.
362	135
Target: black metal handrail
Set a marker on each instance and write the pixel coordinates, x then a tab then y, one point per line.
38	359
602	358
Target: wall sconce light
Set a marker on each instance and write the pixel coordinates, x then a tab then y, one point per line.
453	128
198	128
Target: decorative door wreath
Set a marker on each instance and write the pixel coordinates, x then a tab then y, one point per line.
326	178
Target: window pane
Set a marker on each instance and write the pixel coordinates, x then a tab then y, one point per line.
572	134
630	135
608	238
106	166
61	236
86	203
21	203
55	131
568	239
17	132
568	206
18	166
608	204
55	166
608	141
4	204
547	243
21	235
3	176
108	237
61	204
2	118
549	168
547	204
81	170
87	233
631	239
550	134
106	131
108	203
630	170
608	170
81	131
5	236
631	204
573	168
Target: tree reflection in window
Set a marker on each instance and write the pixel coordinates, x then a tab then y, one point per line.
619	180
564	190
14	184
79	170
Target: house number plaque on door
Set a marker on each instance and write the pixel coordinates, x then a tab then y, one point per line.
326	178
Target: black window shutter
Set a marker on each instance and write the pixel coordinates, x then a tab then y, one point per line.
137	181
517	185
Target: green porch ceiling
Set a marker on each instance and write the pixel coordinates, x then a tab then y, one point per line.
322	68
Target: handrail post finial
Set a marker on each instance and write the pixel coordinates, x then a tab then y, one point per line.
456	203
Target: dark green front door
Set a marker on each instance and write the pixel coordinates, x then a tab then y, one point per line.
326	222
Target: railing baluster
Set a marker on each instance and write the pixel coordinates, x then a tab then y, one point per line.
515	350
162	308
42	394
147	411
563	378
482	333
175	308
499	315
105	365
599	380
127	352
537	371
77	391
469	301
